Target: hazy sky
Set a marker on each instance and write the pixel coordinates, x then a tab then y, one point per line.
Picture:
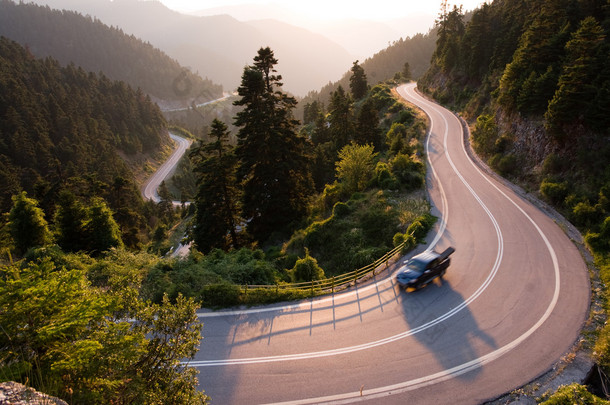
335	9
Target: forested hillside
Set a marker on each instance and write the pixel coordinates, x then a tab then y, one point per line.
536	77
62	128
72	38
384	65
533	79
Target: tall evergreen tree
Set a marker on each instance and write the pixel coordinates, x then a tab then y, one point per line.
216	217
273	162
102	231
357	82
27	225
70	219
367	126
341	118
573	100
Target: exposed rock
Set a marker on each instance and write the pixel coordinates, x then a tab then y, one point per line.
12	393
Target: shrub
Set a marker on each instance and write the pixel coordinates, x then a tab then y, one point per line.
341	210
384	177
585	215
504	164
398	239
421	226
307	269
220	295
574	394
555	193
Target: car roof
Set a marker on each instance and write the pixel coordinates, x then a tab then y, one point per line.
427	256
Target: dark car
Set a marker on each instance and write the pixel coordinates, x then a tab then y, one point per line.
424	268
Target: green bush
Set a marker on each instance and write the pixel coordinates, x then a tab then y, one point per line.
504	164
220	295
384	177
555	193
307	269
421	226
574	394
341	210
398	239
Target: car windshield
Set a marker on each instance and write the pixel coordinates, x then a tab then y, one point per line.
416	265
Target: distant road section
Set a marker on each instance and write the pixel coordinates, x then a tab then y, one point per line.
152	185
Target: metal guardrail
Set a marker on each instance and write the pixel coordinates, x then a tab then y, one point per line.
335	283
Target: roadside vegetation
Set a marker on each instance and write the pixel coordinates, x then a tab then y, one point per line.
359	191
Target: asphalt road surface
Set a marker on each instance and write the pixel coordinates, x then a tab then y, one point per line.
511	304
149	191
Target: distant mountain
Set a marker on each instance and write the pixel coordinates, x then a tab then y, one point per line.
72	38
361	38
417	51
219	47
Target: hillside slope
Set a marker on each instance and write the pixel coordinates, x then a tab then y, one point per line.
64	128
72	38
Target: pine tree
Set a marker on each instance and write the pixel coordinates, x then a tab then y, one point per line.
576	91
357	82
341	118
216	216
273	162
101	229
27	225
70	219
367	126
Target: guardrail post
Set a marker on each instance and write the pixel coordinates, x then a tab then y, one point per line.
246	291
355	277
277	288
312	288
333	285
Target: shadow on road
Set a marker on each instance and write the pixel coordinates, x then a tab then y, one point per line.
455	340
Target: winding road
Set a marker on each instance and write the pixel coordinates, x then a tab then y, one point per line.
149	191
512	303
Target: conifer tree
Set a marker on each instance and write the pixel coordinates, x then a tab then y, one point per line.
216	216
27	224
357	82
341	118
273	162
70	219
102	231
576	88
367	126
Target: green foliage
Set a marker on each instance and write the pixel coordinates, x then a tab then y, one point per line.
485	135
357	82
96	47
102	231
217	215
408	170
307	269
220	295
273	158
384	177
600	241
70	339
574	394
575	99
27	225
553	192
190	277
420	227
355	166
64	129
